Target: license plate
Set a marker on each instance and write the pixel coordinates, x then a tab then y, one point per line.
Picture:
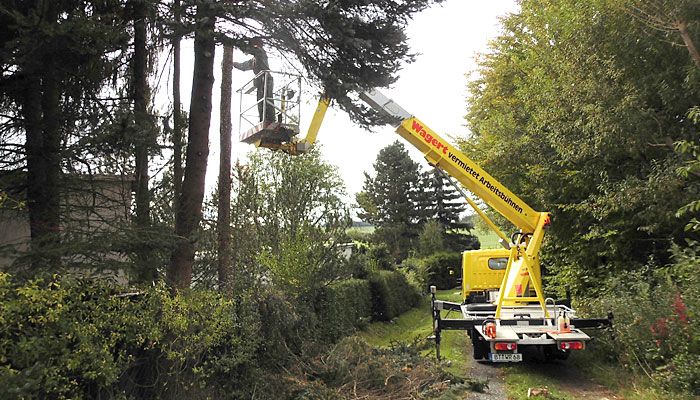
508	357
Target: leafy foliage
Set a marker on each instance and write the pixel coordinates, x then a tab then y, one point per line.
431	239
575	109
391	295
588	113
63	339
654	321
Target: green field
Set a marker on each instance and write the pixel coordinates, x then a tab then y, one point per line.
488	239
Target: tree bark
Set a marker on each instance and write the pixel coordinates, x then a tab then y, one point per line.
177	114
147	270
42	121
694	54
223	222
189	211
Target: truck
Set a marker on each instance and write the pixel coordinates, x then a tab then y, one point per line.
503	310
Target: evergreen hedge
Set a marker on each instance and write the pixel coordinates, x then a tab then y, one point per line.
344	306
436	270
391	295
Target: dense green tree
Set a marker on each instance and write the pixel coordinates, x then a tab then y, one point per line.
288	224
576	109
391	200
56	56
442	203
445	204
343	46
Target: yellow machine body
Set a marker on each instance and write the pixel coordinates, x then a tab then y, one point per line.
483	270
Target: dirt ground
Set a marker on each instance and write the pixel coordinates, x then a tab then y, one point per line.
570	381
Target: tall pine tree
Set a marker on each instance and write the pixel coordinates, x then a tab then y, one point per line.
392	199
442	203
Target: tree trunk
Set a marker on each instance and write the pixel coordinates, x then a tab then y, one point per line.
177	115
147	270
189	210
683	29
223	222
42	115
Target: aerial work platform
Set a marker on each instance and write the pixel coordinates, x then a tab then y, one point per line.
269	132
270	110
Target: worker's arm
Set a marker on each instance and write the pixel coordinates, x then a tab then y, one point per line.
245	65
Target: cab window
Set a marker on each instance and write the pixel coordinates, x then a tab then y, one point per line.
498	263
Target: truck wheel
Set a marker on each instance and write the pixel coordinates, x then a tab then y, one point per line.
479	345
551	353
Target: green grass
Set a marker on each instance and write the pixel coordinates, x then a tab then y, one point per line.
619	380
417	323
487	238
519	378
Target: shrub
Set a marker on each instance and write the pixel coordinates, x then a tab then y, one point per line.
442	270
391	295
656	312
343	307
379	257
413	269
431	239
63	339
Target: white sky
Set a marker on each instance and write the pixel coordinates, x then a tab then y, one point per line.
447	39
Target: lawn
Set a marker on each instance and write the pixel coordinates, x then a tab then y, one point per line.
416	324
487	238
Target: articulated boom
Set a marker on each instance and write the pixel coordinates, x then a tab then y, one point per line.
523	269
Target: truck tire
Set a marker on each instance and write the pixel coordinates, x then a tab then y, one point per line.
479	345
551	353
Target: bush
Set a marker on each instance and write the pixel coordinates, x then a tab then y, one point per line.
413	269
63	339
391	295
431	239
343	307
442	270
656	312
379	257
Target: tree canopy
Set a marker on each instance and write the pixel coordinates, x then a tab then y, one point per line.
580	117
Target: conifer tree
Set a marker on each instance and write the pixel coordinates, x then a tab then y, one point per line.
391	199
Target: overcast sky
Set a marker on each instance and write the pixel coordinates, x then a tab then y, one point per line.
447	39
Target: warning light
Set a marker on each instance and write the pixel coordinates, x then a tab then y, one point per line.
571	345
547	221
505	346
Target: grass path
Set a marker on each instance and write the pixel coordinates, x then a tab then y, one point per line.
576	378
416	324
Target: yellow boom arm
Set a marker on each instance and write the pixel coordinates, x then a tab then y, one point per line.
523	267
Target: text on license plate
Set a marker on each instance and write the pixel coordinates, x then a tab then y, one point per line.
506	357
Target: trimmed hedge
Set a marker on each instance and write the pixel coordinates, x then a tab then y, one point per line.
392	295
344	307
436	270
